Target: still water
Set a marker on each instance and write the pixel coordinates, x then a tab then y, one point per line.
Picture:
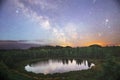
58	66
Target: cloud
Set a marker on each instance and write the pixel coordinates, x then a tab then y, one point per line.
67	35
71	31
43	21
15	44
59	36
42	4
46	24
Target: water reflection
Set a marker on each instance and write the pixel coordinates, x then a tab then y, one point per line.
58	66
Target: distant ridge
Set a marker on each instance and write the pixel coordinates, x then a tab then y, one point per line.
24	44
11	44
95	45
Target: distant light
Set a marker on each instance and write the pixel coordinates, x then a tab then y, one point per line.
17	11
107	20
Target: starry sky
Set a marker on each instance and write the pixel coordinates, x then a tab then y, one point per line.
61	22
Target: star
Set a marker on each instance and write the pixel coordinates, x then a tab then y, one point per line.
17	11
107	20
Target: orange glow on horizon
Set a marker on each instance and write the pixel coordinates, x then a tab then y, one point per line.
66	44
85	44
95	42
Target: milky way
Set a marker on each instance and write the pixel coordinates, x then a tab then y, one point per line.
61	22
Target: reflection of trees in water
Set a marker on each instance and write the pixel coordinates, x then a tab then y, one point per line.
89	64
65	61
71	60
78	61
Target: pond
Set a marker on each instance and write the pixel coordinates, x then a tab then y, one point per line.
58	66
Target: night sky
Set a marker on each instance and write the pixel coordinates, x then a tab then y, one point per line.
61	22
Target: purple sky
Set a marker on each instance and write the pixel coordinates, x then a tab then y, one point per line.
61	22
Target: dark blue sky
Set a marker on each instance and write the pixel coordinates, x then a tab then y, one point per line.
61	22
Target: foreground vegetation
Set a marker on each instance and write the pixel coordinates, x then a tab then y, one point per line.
107	60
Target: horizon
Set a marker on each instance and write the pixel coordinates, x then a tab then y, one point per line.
75	23
25	44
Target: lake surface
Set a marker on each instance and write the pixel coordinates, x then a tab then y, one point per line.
58	66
